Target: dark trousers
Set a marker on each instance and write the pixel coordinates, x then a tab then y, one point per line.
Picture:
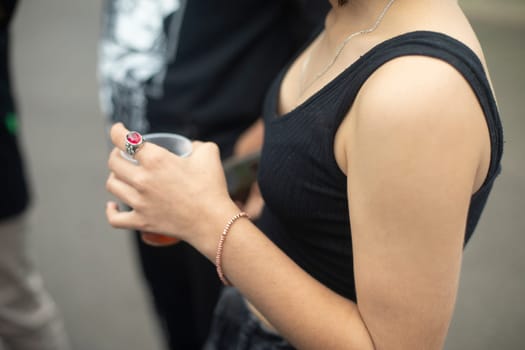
235	327
184	287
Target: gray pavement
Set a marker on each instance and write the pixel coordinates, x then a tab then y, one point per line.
90	268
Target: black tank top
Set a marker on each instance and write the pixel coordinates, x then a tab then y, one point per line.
306	212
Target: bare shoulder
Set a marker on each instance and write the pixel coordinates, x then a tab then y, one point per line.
422	104
420	97
415	90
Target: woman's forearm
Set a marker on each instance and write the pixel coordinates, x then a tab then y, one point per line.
303	310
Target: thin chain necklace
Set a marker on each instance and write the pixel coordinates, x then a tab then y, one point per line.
339	49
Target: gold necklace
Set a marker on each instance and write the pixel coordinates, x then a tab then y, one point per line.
339	49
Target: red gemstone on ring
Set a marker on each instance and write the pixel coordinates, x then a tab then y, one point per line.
134	138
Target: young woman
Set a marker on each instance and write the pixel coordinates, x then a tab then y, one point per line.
382	143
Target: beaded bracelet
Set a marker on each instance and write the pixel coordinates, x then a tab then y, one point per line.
218	257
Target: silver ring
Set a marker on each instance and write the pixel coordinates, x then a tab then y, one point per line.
133	141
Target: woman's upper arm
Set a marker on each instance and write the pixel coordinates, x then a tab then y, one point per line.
412	155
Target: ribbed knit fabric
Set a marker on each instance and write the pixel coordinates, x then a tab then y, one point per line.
306	212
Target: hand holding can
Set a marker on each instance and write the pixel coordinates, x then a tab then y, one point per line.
174	143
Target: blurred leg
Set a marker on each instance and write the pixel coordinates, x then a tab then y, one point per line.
28	316
184	287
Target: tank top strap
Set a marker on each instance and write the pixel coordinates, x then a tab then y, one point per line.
443	47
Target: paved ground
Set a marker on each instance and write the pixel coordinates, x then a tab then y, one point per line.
90	268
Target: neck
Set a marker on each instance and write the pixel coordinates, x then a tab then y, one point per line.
357	8
354	16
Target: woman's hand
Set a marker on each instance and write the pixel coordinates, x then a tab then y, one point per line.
169	194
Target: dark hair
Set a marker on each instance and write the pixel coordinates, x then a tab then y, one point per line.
342	2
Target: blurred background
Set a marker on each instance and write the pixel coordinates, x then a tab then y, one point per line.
90	268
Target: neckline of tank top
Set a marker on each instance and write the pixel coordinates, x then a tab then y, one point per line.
276	117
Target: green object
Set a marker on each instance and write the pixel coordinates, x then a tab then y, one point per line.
11	123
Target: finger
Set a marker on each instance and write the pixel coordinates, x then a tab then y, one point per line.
121	219
151	154
118	134
206	147
122	191
196	144
123	169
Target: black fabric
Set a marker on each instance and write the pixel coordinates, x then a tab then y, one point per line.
185	289
228	54
306	211
236	327
14	195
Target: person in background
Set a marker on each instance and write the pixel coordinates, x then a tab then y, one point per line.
29	319
199	69
382	144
